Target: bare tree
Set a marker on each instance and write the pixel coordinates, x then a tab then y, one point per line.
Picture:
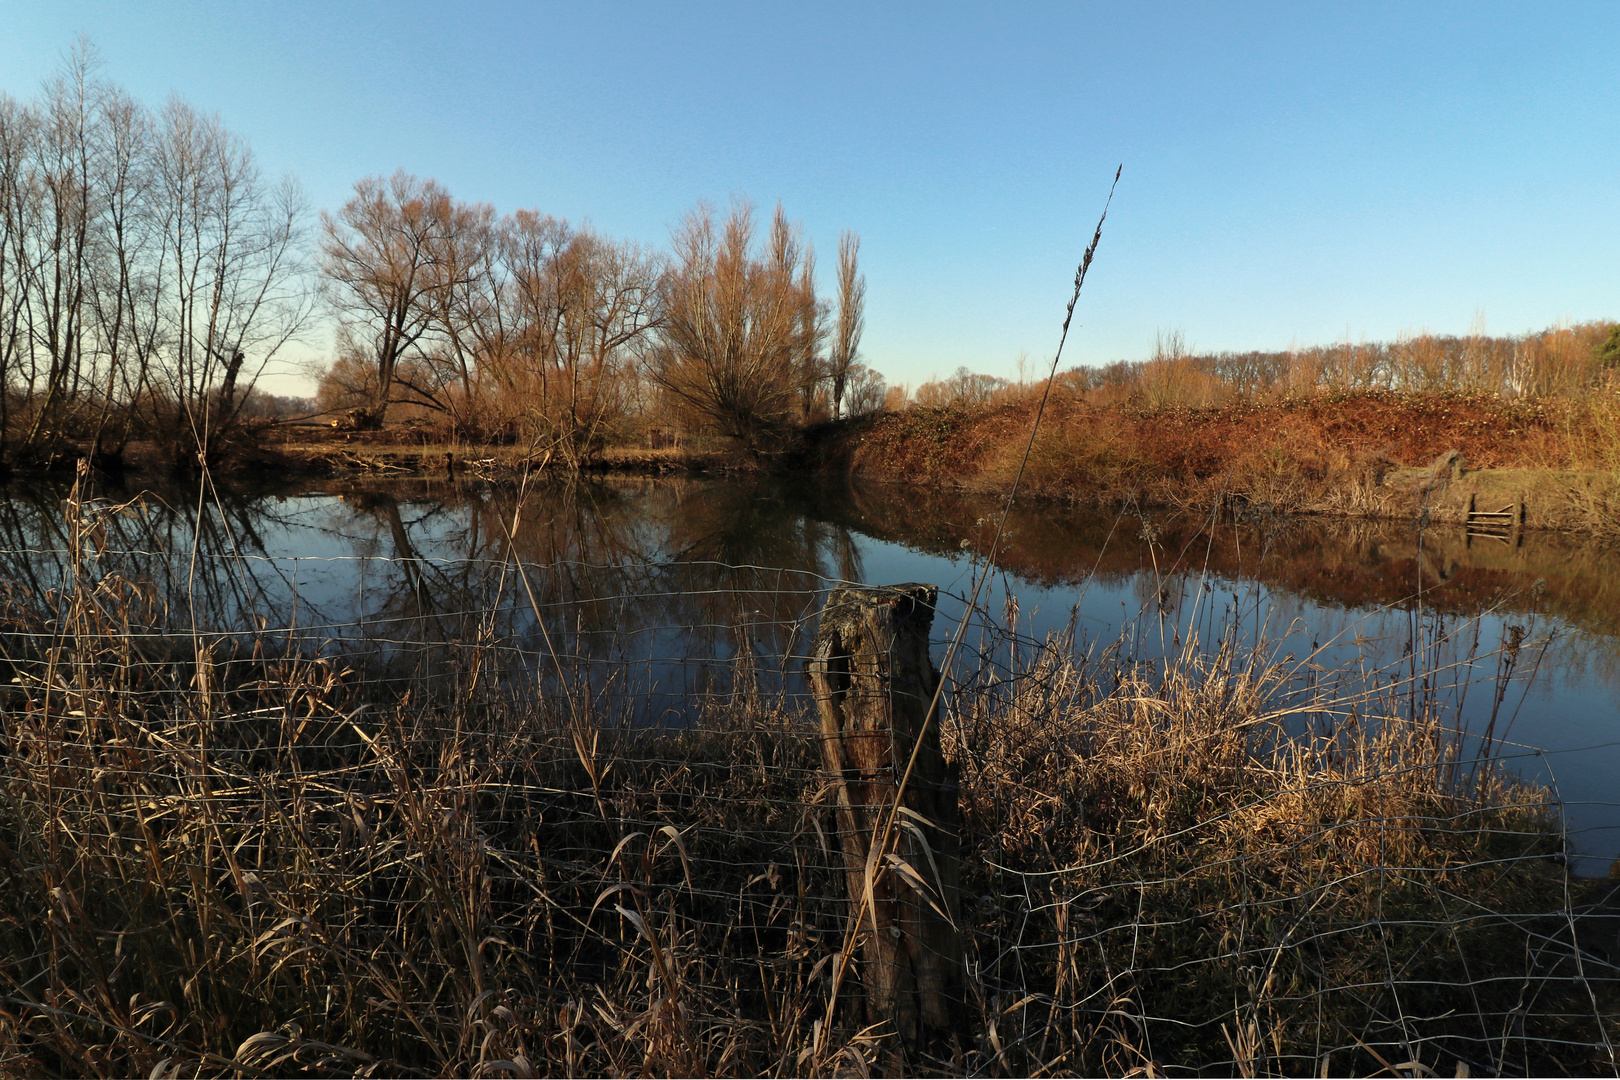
851	318
556	342
143	265
385	261
964	389
609	294
232	282
812	332
866	391
18	213
126	289
463	306
57	213
519	335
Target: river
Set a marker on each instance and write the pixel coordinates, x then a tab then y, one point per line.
666	588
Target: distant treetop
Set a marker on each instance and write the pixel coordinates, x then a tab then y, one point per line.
1607	351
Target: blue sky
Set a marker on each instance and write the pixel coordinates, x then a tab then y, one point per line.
1292	174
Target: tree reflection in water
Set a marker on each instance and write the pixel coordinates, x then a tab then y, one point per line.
661	589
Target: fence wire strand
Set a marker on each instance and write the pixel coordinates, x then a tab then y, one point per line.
420	841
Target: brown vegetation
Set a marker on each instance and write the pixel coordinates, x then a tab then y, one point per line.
1310	452
851	321
1291	429
1564	361
524	329
740	340
520	328
148	275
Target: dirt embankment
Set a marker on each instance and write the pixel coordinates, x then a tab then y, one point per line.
1546	464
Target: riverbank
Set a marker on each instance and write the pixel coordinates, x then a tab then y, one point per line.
1453	457
1478	460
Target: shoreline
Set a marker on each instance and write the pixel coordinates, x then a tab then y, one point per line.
1478	461
1449	490
1556	500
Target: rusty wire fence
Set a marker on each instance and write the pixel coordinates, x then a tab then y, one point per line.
502	819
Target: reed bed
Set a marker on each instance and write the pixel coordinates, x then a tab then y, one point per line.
230	856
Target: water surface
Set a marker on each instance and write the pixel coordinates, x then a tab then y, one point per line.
668	588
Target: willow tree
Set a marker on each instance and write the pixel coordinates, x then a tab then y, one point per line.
574	309
606	294
470	277
734	336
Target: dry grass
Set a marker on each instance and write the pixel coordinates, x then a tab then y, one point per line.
232	859
1206	876
1325	452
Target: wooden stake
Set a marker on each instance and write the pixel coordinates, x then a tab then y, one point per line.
873	682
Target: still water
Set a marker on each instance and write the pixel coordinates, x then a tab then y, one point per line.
667	588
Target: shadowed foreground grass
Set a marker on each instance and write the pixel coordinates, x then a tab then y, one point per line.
223	861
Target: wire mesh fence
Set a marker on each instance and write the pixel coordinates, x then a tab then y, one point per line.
511	819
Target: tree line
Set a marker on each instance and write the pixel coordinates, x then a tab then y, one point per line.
1564	361
524	327
149	273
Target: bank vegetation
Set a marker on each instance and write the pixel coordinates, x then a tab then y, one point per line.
1348	429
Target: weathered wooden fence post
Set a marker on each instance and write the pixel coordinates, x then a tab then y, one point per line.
873	683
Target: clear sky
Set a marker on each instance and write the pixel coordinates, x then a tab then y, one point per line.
1293	173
